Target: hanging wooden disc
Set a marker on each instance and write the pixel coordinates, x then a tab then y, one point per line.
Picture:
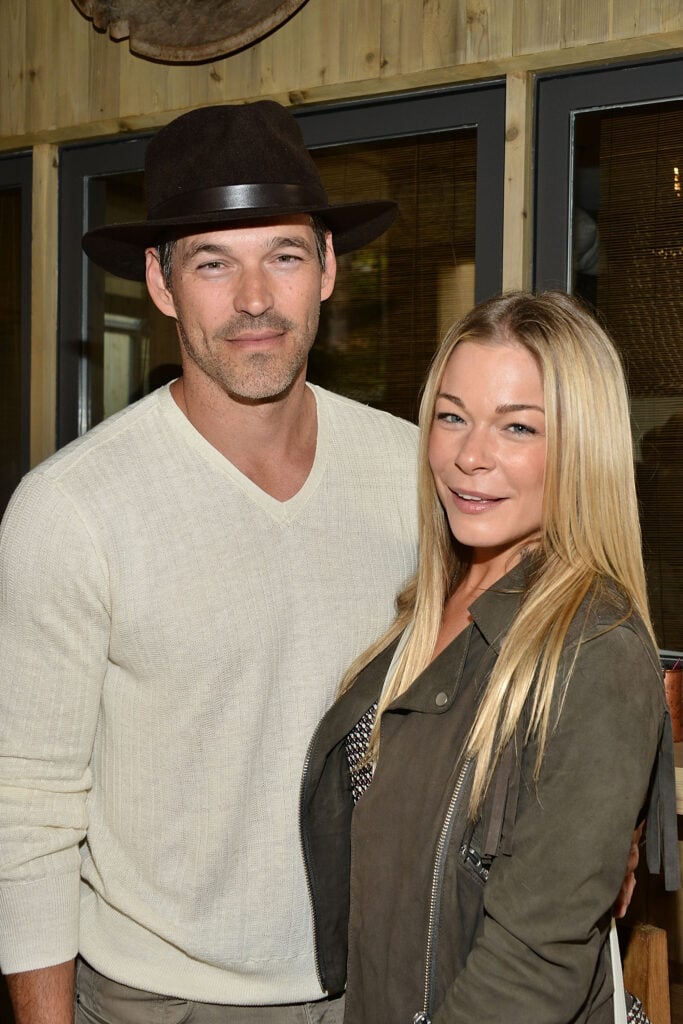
181	31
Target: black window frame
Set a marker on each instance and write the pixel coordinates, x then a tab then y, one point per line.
82	167
16	171
559	98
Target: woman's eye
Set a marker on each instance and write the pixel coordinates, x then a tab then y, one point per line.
521	428
449	417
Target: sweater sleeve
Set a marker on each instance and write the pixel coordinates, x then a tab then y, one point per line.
547	905
54	630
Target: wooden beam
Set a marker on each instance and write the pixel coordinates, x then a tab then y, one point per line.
646	971
517	193
44	261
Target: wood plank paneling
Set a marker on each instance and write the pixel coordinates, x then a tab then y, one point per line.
305	61
355	25
401	25
13	89
63	80
443	32
584	21
44	75
537	26
489	30
100	70
640	17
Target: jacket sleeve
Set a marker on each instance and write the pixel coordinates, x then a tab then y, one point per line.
547	905
54	630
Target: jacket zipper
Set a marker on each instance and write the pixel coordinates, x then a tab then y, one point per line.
423	1017
307	873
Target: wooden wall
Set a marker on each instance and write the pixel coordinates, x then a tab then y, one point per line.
62	79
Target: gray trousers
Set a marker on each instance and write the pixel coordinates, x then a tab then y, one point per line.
101	1001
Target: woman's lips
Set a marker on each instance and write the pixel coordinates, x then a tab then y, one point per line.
472	502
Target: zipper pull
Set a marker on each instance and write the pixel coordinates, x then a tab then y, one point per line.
482	865
422	1018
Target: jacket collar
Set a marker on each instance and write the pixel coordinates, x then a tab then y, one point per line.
492	613
495	609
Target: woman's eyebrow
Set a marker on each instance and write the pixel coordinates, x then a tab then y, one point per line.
502	410
452	398
519	407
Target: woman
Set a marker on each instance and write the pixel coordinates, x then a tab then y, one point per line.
501	741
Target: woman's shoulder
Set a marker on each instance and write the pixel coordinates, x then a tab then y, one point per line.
607	610
608	641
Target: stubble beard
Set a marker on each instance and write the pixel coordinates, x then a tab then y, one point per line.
256	376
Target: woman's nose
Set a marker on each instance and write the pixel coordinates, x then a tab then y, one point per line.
475	451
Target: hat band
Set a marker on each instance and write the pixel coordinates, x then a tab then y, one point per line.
239	197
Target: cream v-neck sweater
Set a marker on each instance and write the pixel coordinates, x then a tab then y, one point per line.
169	637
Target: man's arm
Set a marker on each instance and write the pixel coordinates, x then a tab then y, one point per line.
45	996
54	637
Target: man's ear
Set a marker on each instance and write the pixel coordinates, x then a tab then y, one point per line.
329	274
159	291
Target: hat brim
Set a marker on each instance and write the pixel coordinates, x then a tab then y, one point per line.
120	248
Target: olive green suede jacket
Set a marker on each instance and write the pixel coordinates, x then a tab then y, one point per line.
506	919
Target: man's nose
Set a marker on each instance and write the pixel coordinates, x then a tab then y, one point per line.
253	294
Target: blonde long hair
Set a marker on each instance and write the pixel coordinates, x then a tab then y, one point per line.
590	533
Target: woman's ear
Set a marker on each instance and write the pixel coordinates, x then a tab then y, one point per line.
159	291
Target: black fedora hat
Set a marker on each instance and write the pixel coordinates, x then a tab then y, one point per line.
224	164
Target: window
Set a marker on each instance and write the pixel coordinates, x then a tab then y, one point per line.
609	227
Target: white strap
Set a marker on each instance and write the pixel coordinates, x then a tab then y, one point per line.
617	976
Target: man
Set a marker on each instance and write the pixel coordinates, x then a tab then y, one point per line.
182	589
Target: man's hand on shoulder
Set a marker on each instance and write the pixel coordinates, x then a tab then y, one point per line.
44	996
628	885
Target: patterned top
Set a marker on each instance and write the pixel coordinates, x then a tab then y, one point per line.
356	748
